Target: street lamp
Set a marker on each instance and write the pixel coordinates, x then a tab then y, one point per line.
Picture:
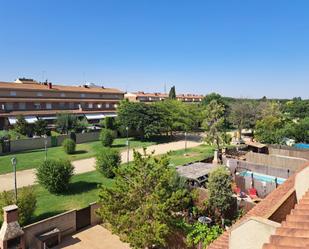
45	143
14	162
128	146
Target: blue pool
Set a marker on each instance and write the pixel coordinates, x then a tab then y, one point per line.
302	146
262	177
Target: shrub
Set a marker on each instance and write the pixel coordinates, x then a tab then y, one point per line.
69	146
107	137
26	202
55	175
107	160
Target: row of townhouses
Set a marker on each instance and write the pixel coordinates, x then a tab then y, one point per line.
43	100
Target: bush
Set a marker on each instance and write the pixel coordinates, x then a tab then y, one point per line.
69	146
55	175
107	160
26	202
107	137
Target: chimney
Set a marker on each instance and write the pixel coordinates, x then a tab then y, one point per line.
50	85
11	229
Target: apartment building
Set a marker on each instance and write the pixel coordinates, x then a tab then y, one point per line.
35	100
153	97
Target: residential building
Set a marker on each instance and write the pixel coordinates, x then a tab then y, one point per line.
154	97
35	100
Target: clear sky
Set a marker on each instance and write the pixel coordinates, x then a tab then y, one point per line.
243	48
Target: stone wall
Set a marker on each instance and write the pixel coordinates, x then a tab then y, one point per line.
87	137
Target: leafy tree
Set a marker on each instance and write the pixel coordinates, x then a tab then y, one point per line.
220	192
200	233
213	96
81	124
144	200
269	130
109	123
107	137
297	130
297	108
172	93
22	126
243	114
146	119
107	160
214	124
69	146
55	175
40	127
66	122
178	116
26	202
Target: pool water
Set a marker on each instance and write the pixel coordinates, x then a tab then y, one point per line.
302	146
262	177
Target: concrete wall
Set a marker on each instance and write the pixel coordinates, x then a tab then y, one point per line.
29	144
288	151
252	233
66	222
283	162
39	143
258	168
302	183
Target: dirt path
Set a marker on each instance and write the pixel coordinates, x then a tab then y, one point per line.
27	177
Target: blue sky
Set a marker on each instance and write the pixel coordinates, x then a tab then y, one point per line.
247	48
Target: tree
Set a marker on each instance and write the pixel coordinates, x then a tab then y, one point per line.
200	233
22	126
148	120
107	160
172	93
269	130
220	192
109	123
213	96
214	123
297	108
107	137
40	127
69	146
144	200
243	114
66	122
26	202
55	175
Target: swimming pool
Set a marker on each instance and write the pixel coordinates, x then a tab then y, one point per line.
262	177
302	146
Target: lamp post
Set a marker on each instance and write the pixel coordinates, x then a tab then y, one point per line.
14	162
128	146
185	142
45	143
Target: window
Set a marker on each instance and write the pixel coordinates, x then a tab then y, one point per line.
9	106
48	106
21	106
71	105
90	105
83	95
61	105
13	93
107	105
37	106
62	94
39	94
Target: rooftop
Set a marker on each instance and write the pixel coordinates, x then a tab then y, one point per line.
195	170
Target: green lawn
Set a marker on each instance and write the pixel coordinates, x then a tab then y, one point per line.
84	187
32	158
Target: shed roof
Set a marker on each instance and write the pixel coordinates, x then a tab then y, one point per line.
195	170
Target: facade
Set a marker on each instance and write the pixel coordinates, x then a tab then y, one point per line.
36	100
154	97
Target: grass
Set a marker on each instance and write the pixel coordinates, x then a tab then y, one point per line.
32	158
83	188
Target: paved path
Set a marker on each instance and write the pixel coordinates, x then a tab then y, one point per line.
27	177
96	237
